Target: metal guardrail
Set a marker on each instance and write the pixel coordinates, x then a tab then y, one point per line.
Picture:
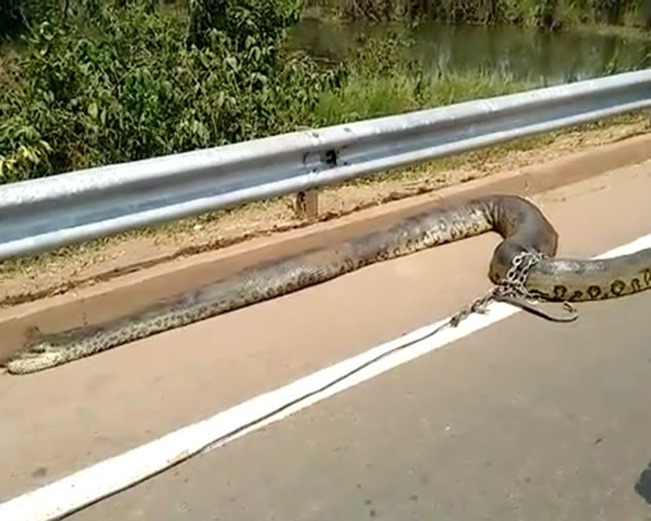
43	214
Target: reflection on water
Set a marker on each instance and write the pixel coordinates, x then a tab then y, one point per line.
521	53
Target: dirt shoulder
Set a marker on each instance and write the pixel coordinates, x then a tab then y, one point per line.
71	268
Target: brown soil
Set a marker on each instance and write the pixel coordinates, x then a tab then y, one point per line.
58	272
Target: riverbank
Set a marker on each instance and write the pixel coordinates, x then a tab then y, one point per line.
133	89
547	14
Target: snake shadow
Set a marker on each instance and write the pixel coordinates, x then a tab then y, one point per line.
643	484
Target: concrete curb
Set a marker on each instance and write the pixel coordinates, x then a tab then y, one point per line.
132	292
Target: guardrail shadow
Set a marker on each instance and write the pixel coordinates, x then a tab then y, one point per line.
643	484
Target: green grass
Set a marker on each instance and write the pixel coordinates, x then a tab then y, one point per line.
367	95
383	79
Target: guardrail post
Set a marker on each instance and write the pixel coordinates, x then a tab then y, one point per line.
307	205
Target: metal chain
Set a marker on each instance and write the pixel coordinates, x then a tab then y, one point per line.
514	281
512	290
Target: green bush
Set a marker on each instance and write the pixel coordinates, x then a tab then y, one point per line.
133	83
122	81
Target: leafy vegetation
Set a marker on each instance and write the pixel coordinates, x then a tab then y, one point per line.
113	83
94	82
132	83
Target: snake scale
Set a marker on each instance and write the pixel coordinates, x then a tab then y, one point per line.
522	225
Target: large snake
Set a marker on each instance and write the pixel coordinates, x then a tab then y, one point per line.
522	225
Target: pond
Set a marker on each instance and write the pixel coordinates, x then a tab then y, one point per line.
548	58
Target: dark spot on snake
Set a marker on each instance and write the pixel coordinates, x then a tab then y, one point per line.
594	291
559	291
647	277
617	287
577	295
536	294
635	284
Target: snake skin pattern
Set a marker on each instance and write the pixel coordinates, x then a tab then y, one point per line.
521	224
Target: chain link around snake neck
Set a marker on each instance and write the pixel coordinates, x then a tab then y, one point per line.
512	290
513	284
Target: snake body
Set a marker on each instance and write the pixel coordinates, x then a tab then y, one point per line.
522	225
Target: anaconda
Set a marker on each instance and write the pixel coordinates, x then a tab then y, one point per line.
521	224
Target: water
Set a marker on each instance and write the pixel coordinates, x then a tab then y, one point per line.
521	53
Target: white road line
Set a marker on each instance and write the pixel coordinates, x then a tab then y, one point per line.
60	498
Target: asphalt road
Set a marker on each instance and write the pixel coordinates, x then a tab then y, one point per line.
524	420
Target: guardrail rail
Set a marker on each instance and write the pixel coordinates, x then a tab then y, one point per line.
43	214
